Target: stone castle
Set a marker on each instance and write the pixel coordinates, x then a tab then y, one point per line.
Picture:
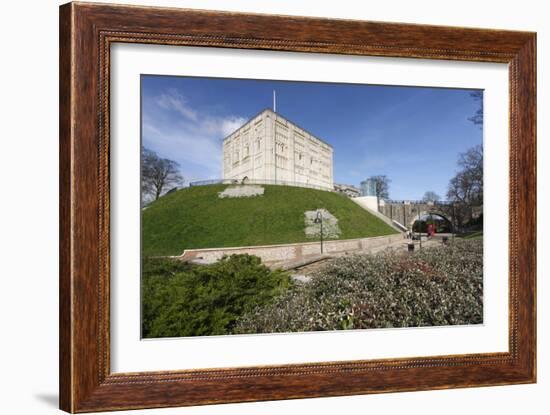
271	149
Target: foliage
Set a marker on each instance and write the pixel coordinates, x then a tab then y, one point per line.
195	217
435	286
184	300
476	223
157	174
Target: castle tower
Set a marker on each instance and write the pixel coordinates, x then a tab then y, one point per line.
271	149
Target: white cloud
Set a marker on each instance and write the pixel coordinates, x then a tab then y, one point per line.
194	141
229	125
222	126
149	128
174	101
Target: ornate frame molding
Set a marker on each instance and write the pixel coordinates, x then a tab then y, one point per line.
86	33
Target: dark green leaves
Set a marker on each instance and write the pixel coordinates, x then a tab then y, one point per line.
182	300
436	286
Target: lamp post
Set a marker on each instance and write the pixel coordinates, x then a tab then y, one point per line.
319	219
419	231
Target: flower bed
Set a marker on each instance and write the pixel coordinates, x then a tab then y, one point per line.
432	287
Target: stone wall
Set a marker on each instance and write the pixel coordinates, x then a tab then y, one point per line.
291	252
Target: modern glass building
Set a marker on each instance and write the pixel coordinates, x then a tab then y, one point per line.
368	187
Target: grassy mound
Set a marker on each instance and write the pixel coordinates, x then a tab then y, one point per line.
197	218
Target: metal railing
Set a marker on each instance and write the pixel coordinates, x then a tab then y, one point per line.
257	181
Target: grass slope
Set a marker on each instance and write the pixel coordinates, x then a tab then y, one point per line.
196	218
474	235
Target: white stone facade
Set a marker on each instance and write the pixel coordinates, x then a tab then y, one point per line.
271	149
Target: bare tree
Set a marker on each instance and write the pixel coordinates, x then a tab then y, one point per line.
431	196
477	118
466	187
382	186
158	174
471	174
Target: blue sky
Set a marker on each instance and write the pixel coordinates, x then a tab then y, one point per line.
411	134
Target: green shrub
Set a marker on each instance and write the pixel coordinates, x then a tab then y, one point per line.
435	286
183	300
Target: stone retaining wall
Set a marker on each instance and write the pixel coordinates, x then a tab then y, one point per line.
290	252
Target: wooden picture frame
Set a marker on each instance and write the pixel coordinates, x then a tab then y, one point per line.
86	33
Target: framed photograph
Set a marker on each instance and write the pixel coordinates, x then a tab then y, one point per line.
259	207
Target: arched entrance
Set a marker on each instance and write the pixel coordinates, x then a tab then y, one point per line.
442	224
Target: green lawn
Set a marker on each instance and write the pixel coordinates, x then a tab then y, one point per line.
474	235
196	218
